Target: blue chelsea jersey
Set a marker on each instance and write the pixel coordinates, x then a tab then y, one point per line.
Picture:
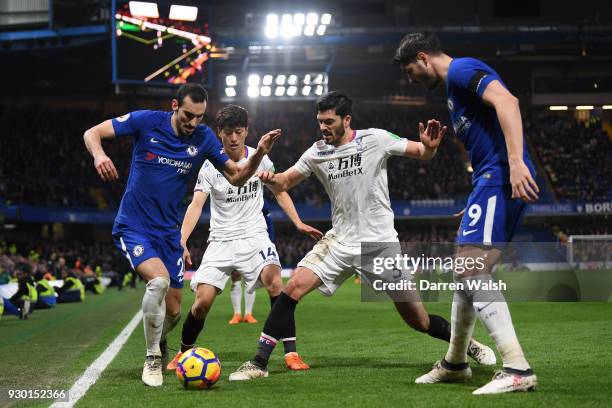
162	163
476	123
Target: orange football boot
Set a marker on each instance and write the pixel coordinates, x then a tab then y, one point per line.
294	362
174	363
249	319
237	318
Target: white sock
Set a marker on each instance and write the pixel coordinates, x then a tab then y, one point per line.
494	314
236	296
463	318
153	313
496	318
249	301
170	323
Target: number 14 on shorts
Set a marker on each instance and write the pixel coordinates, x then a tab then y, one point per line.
271	254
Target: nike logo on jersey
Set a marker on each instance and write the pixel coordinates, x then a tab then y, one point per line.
154	140
468	232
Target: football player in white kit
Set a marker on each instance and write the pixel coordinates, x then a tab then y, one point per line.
352	166
238	239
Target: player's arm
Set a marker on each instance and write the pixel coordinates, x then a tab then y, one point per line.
431	136
278	182
506	106
286	203
93	141
192	216
238	174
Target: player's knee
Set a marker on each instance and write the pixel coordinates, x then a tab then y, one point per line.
158	286
295	289
173	312
291	287
275	286
201	308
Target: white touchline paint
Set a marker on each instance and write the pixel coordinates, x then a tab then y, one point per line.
93	372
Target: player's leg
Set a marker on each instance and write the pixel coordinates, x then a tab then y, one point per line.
491	308
145	259
157	281
325	267
249	302
207	282
173	316
271	279
236	297
280	318
491	217
194	323
171	253
414	313
454	367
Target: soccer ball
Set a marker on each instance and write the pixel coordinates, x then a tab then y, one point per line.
198	369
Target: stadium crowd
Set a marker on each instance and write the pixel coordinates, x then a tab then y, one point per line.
576	155
80	267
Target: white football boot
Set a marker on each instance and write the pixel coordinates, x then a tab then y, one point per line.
482	354
441	374
508	382
152	371
248	371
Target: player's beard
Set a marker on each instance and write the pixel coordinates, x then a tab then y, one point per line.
337	134
185	132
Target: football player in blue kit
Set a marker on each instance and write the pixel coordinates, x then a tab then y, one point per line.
487	119
168	148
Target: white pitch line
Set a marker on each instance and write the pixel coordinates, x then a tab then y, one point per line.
93	372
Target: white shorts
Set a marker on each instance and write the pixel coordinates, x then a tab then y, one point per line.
334	262
248	256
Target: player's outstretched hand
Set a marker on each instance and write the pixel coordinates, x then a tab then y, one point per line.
105	168
432	135
267	141
310	231
267	177
523	185
186	258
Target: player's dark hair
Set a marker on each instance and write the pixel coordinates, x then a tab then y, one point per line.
232	116
196	92
340	102
414	43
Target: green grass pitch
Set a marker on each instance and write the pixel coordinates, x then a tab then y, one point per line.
361	354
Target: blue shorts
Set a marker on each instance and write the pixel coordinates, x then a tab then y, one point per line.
138	246
491	216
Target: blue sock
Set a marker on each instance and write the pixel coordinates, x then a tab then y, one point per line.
10	308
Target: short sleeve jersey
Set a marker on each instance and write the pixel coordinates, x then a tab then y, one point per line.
354	176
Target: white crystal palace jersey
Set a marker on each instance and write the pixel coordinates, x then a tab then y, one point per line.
235	212
355	178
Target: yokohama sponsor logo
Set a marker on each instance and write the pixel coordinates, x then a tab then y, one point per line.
174	163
